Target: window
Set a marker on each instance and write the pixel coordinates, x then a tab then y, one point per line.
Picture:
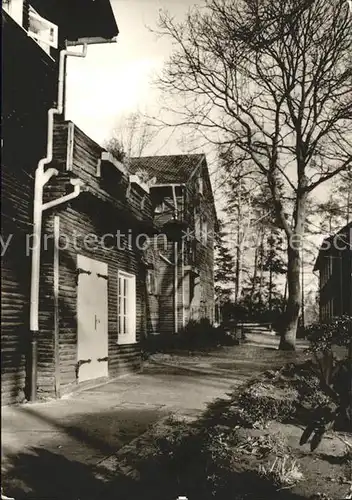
15	9
197	225
326	271
40	29
152	286
43	31
204	234
200	184
126	308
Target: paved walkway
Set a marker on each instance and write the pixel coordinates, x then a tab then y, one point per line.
49	449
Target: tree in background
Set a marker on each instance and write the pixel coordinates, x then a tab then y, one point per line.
239	212
224	275
336	211
131	137
274	80
253	238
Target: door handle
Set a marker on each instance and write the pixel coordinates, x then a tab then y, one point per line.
96	321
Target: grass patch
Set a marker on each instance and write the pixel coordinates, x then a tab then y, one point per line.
283	473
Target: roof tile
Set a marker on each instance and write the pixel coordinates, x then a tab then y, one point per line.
167	169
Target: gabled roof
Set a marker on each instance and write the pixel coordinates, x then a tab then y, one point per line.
172	169
327	247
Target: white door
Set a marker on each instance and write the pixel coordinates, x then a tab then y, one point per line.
92	319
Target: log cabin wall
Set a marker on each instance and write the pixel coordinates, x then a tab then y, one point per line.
29	84
78	220
29	90
107	205
199	252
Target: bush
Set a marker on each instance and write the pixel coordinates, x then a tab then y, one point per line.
196	335
289	394
323	336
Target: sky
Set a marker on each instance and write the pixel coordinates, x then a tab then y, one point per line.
114	80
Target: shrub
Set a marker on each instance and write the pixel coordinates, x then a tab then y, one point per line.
323	336
262	402
334	376
196	335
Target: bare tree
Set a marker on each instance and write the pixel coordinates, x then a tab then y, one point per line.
131	137
275	79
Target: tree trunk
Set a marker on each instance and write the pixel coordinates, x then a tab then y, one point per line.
270	287
238	290
255	274
261	274
288	336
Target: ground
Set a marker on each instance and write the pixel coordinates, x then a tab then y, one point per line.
73	447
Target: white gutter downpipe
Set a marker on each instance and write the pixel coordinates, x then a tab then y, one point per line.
176	286
183	282
42	176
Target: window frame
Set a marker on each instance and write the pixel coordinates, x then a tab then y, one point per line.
130	309
45	43
200	183
14	11
204	231
197	224
152	282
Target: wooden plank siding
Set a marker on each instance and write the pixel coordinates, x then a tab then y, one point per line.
334	264
197	257
102	209
76	222
110	186
29	90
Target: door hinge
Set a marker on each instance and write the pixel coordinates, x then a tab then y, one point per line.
80	363
100	360
104	276
81	271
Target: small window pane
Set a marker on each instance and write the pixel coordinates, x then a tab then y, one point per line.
121	325
126	304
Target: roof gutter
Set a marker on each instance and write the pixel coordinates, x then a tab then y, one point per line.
171	184
91	41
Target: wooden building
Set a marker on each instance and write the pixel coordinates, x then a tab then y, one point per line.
334	264
181	278
89	298
95	253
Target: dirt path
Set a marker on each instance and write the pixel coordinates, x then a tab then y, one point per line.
49	449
